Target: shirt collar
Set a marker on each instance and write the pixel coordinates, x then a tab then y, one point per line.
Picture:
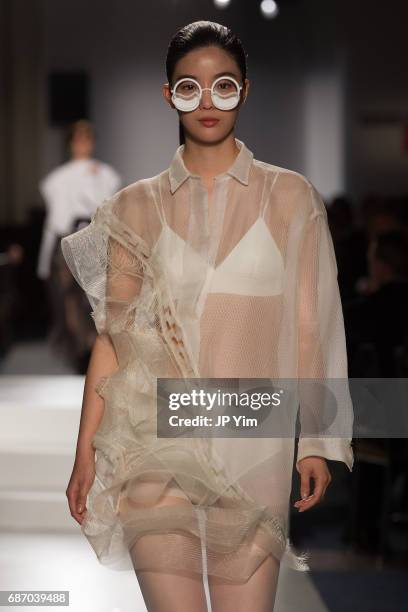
240	169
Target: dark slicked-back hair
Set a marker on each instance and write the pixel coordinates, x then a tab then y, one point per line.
203	34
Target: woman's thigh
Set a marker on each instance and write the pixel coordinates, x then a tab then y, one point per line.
162	590
171	592
257	594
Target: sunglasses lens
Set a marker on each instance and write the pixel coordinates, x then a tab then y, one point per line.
186	96
225	94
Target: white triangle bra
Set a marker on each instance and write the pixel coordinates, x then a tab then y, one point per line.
253	267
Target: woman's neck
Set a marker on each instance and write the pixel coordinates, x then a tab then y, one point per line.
209	160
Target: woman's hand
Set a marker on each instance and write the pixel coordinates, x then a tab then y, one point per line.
315	468
82	477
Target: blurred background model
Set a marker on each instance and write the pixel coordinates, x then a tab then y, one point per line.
71	193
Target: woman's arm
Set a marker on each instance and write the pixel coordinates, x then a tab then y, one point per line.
111	274
103	362
324	400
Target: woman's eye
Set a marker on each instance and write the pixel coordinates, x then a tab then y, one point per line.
225	86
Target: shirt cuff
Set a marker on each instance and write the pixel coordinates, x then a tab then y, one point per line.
337	449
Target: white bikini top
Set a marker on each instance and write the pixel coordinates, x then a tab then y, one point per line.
253	267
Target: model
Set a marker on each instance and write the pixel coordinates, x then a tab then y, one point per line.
73	190
221	266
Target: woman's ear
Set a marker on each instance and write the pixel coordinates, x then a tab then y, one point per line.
245	89
167	94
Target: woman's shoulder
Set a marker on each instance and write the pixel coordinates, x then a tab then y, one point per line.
133	193
132	204
139	190
291	178
294	190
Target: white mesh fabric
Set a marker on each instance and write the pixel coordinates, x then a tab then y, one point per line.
177	279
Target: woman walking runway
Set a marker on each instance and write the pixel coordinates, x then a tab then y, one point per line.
221	266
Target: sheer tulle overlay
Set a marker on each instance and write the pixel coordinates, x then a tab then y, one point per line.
243	287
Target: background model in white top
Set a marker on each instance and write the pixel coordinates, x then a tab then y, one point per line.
74	189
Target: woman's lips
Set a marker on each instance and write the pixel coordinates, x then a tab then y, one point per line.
209	122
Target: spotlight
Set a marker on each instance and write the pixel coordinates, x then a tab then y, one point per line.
221	3
269	9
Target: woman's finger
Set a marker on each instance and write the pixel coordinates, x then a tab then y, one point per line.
77	502
321	482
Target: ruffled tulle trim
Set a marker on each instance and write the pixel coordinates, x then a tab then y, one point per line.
129	522
127	535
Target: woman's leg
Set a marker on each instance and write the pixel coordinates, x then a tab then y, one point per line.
257	594
173	591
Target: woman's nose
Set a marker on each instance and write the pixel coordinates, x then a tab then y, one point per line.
206	101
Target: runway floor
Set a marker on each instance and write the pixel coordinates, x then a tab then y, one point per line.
42	548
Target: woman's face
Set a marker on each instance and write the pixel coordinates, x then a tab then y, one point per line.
205	65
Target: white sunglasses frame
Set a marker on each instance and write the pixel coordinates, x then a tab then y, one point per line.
201	89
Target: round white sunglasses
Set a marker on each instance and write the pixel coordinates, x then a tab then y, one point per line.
187	93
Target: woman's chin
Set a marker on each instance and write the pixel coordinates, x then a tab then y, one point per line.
209	135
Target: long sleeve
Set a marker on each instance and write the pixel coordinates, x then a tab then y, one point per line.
326	412
46	248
